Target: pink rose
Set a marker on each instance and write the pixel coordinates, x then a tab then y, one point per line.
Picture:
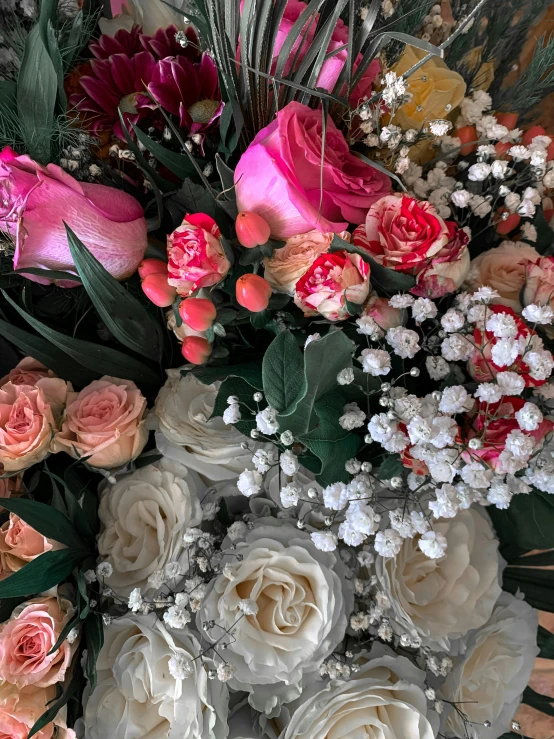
104	423
282	178
29	416
491	424
20	543
196	257
289	263
402	233
27	372
26	639
21	708
382	313
448	268
539	282
34	202
503	269
9	485
330	281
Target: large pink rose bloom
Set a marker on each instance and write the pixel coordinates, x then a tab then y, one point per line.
281	176
26	641
34	202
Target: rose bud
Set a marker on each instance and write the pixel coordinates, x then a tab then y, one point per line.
157	289
507	119
252	229
152	267
253	292
198	313
196	349
505	225
468	136
530	134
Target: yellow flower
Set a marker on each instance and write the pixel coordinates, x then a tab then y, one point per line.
435	89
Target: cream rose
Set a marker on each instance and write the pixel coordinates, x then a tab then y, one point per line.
442	599
503	269
384	699
301	599
29	417
186	433
136	694
143	517
291	262
496	668
20	708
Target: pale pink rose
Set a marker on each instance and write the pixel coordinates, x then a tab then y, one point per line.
447	270
34	203
539	282
27	372
9	485
403	233
196	257
384	315
20	543
104	423
291	262
331	281
21	708
29	416
26	638
503	269
282	177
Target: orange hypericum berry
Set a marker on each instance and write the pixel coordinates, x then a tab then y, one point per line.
253	292
198	313
252	229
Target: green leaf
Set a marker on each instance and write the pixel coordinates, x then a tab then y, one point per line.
94	636
42	573
545	235
37	88
545	642
323	360
99	359
150	173
282	371
126	318
260	319
7	606
242	389
536	585
544	703
528	522
46	520
51	274
391	467
56	58
250	256
42	350
251	373
179	164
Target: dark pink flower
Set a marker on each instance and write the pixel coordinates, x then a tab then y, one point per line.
124	42
164	43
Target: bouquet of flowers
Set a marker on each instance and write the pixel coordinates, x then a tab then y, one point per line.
276	331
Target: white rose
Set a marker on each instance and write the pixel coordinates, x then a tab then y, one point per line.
442	599
186	433
136	695
496	669
304	602
384	699
144	516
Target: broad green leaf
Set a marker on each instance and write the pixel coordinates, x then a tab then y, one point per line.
544	703
79	521
545	642
56	58
94	636
46	520
7	606
51	274
282	371
242	389
126	318
50	569
251	372
528	522
100	359
391	467
179	164
536	585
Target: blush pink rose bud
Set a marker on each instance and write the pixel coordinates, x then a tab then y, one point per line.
290	262
198	313
34	203
196	255
21	708
253	292
252	230
196	349
27	372
104	423
384	315
157	289
27	638
539	282
279	176
152	267
332	280
29	416
20	543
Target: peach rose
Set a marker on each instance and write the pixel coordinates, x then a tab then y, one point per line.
503	269
384	315
27	638
104	423
27	372
539	282
435	90
20	543
9	485
20	709
29	417
291	262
